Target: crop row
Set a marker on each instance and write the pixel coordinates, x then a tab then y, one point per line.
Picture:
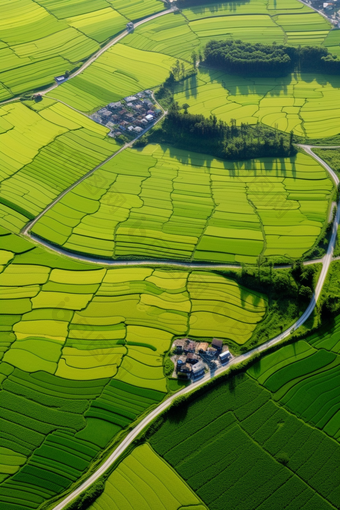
240	432
121	71
45	39
143	480
158	212
43	153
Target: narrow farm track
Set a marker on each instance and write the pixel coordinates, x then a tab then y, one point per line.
96	55
28	226
151	262
326	261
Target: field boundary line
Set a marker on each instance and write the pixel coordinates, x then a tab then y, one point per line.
326	262
96	55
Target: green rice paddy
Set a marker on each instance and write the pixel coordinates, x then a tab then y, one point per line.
143	480
163	203
237	431
306	104
119	72
43	152
41	40
82	353
82	346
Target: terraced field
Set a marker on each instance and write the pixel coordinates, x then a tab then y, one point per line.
304	377
305	104
121	71
143	480
41	40
158	203
238	431
82	357
43	151
83	346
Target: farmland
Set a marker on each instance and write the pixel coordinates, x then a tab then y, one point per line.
144	204
237	429
145	481
304	377
119	72
304	104
68	33
87	348
44	151
82	356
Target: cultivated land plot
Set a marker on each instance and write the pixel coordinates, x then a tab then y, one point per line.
144	481
163	203
121	71
43	152
305	378
305	104
44	39
82	354
236	429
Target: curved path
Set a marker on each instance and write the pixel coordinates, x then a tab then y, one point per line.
96	55
326	261
149	262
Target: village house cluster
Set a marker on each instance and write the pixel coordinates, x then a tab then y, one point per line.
131	116
330	9
192	358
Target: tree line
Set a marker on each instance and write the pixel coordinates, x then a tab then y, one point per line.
221	139
246	58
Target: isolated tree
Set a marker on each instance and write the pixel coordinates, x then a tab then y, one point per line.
185	106
194	59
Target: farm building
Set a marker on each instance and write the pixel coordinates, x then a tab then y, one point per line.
197	370
203	346
211	352
190	346
225	356
185	371
179	345
130	26
192	358
60	79
217	344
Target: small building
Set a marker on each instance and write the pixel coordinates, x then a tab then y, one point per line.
203	346
197	370
60	79
211	352
217	344
192	358
225	356
185	371
179	364
148	92
130	128
130	26
129	99
149	117
144	121
179	345
118	104
190	346
138	129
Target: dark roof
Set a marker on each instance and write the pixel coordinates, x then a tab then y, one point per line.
217	343
191	355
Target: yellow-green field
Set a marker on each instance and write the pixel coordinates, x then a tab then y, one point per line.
306	104
164	203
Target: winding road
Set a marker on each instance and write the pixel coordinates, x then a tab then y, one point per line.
96	55
326	261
